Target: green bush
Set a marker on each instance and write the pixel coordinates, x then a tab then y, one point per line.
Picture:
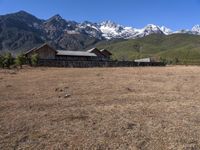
20	60
7	60
176	61
34	59
164	60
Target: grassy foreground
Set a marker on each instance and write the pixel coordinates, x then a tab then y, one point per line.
100	108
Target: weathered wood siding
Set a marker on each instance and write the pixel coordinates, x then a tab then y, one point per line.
44	52
87	64
76	58
100	55
106	53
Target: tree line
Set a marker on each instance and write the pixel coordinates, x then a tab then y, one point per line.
7	60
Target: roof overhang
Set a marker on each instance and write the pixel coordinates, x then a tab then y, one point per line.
36	48
106	51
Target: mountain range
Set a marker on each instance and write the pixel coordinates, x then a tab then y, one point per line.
21	31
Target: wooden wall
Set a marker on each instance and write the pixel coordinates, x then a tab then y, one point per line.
88	64
44	52
100	55
75	58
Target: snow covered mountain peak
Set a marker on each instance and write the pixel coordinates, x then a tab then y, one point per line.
110	24
111	30
149	29
166	30
196	28
151	26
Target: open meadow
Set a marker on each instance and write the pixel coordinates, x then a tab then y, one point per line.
150	108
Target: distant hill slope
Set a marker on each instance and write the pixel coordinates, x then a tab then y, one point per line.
185	47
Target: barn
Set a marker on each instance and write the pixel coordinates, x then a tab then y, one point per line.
46	52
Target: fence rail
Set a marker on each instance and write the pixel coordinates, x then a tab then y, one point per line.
88	64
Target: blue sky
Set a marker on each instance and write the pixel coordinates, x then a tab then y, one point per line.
175	14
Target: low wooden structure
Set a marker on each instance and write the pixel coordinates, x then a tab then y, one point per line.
88	64
82	59
46	52
75	56
106	53
43	51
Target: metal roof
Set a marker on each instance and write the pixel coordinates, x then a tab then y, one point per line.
105	50
91	50
38	47
75	53
88	53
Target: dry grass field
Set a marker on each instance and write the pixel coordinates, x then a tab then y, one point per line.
100	108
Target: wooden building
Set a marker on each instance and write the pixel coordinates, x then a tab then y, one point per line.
99	54
75	55
106	53
50	57
44	52
47	52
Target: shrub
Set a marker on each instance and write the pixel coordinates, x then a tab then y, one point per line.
8	60
164	60
20	60
1	61
176	61
34	59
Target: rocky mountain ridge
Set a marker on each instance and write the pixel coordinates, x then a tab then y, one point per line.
21	31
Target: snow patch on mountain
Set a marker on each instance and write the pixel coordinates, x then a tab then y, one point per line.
111	30
166	30
196	29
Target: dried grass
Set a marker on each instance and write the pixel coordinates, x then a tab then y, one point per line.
116	108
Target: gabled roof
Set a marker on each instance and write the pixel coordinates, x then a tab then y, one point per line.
33	49
93	49
75	53
96	51
106	51
36	48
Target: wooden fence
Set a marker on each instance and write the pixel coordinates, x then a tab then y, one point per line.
88	64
